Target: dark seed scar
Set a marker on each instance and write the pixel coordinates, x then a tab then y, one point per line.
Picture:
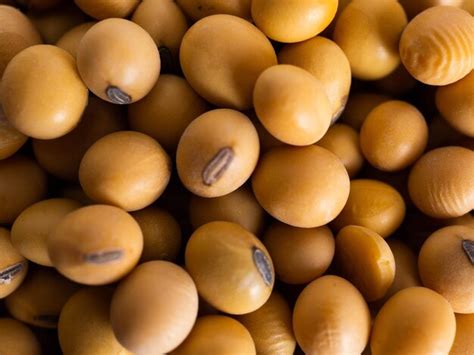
217	166
117	96
468	246
263	265
9	273
103	257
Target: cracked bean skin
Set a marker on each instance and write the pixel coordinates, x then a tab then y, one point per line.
231	267
13	266
444	265
96	245
217	153
38	108
409	309
154	309
16	338
118	61
441	183
331	317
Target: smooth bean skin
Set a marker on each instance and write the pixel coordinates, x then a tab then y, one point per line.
118	61
22	183
368	32
303	113
62	156
304	187
446	266
372	204
40	298
217	334
293	21
441	183
430	51
107	8
16	33
84	324
32	228
154	309
38	108
10	139
214	49
127	169
343	141
231	267
393	136
16	338
331	317
365	259
166	111
70	40
13	266
271	327
161	234
464	341
409	309
300	255
327	62
217	153
239	207
455	102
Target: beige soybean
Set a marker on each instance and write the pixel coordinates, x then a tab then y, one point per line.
96	245
166	24
293	21
22	183
217	47
331	317
394	330
366	260
372	204
70	40
455	102
464	341
217	153
239	207
62	156
231	267
166	111
13	266
118	61
16	33
327	62
126	169
17	339
436	46
441	183
300	255
368	32
270	327
40	298
10	139
292	105
154	309
161	234
217	334
446	265
84	324
393	136
107	8
343	141
32	228
197	9
40	108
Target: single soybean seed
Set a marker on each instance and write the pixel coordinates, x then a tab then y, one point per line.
263	265
103	257
217	166
8	274
468	247
117	96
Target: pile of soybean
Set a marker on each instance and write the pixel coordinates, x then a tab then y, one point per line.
208	177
